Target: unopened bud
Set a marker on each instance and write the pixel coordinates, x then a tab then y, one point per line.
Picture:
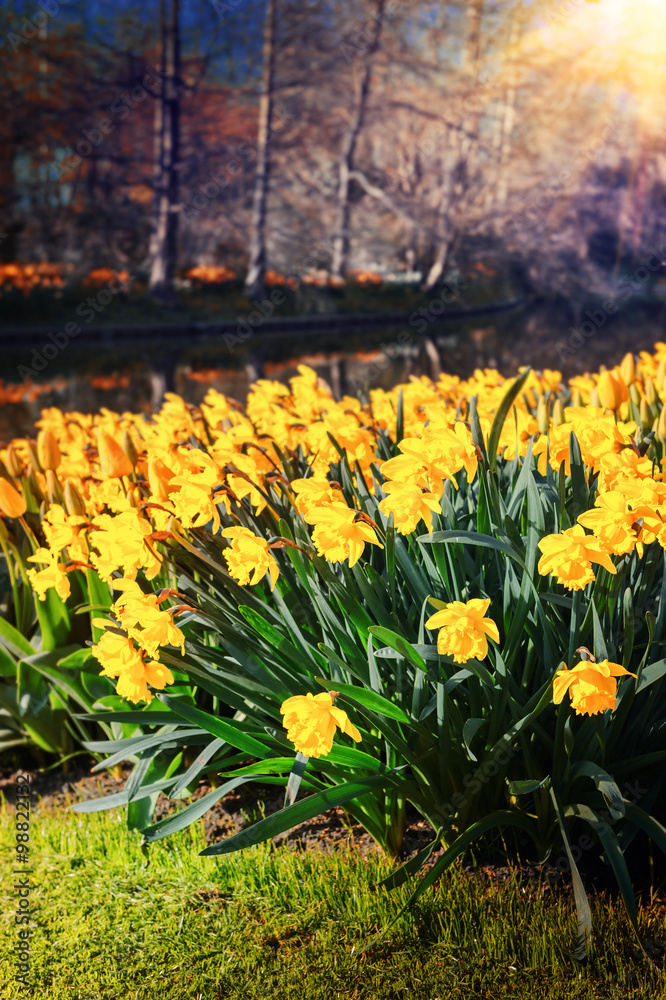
558	413
650	391
628	369
646	415
14	464
73	500
53	487
129	448
35	464
660	377
594	397
660	433
542	416
12	503
48	451
576	399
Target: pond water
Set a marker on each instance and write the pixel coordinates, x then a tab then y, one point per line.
133	376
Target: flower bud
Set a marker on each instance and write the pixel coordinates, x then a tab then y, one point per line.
112	459
558	413
612	391
48	451
542	416
53	487
594	397
647	417
650	391
14	464
628	369
660	433
576	399
130	449
660	377
634	394
73	500
35	464
12	503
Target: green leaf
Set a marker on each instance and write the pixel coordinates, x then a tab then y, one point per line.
121	798
16	643
297	813
399	643
472	538
581	494
368	699
501	415
216	727
604	782
580	896
185	817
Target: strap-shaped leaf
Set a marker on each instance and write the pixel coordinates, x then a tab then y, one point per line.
295	778
185	817
297	813
368	699
216	727
399	644
502	412
580	896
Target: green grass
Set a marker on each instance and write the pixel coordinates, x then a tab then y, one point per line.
114	922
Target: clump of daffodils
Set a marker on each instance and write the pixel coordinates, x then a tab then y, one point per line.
117	494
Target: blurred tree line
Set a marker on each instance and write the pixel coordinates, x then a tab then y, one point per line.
399	135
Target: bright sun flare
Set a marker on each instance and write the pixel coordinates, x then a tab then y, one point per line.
617	42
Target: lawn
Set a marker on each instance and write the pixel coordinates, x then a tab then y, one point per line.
114	920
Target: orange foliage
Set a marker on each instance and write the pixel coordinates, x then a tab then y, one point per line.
209	275
103	275
366	277
113	381
28	276
275	278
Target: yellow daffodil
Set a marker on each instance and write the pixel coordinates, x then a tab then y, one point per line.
341	532
463	629
311	721
592	686
248	557
409	503
120	658
569	556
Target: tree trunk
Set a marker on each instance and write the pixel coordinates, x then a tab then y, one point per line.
341	238
165	237
254	283
458	169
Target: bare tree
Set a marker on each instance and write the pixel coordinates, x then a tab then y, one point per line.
346	167
254	283
167	127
